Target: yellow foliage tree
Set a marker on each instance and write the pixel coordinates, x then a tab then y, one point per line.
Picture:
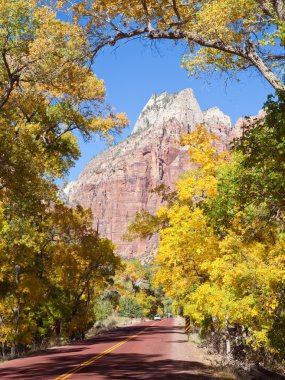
187	241
229	281
53	265
45	80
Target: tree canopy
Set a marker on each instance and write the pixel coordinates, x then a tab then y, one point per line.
45	80
223	35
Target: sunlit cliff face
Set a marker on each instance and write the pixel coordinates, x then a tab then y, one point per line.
117	183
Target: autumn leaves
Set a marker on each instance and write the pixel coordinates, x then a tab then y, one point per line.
53	265
221	250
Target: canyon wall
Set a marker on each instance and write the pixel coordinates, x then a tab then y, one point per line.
117	183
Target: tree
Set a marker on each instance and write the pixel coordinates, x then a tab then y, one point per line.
45	80
53	265
52	272
222	35
135	280
103	309
263	148
186	239
129	307
221	258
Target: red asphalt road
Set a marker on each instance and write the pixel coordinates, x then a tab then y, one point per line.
143	351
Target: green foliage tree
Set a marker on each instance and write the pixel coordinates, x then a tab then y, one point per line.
263	148
129	307
103	309
253	180
135	280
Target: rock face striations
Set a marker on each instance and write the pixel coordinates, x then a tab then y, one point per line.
117	183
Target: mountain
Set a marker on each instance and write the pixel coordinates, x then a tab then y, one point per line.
117	183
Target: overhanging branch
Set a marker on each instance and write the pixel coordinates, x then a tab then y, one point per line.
248	52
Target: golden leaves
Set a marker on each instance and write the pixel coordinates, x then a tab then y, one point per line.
52	264
200	183
236	277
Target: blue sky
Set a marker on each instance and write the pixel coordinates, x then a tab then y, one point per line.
134	71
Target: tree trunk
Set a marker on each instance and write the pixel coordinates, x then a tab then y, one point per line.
264	70
3	350
13	350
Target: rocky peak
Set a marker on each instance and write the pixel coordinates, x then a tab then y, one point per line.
215	117
181	106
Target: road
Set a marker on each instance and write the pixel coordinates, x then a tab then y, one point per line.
145	351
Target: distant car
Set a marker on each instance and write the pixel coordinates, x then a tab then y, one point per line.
157	317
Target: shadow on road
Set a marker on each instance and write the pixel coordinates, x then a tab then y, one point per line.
113	366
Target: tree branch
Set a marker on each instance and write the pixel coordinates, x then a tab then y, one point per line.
263	68
111	41
279	7
12	80
176	11
248	52
264	7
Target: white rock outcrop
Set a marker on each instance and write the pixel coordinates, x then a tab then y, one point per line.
181	106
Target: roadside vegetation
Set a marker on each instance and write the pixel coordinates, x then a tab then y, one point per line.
53	265
133	294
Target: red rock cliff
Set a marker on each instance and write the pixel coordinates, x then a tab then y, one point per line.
116	184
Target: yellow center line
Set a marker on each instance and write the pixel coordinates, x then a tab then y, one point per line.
97	357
